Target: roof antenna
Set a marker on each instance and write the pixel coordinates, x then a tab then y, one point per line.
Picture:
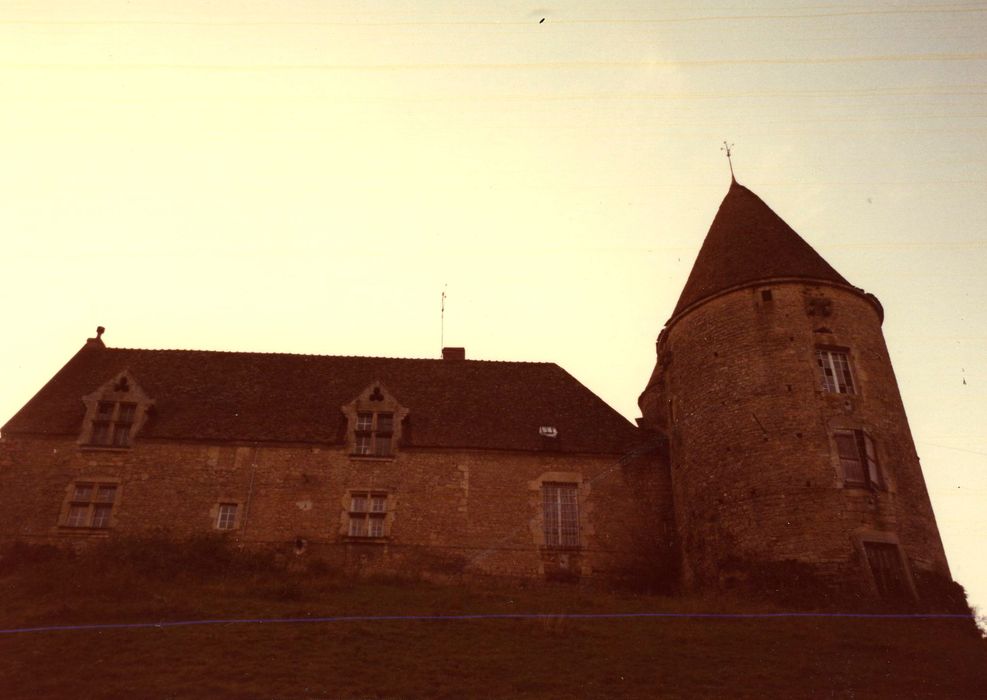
726	149
442	331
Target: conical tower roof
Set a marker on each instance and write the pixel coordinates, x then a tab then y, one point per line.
746	243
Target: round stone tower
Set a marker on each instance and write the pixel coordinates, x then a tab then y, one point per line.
789	447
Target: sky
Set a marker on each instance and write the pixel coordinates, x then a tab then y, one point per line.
310	177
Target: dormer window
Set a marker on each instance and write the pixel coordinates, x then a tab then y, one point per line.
114	413
374	432
374	422
113	423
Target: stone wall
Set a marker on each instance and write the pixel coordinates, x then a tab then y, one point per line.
448	512
755	469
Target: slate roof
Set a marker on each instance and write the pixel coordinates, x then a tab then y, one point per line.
748	242
219	396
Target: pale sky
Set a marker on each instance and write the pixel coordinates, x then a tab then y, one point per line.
307	177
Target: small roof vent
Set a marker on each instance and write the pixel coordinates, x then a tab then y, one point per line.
548	431
453	353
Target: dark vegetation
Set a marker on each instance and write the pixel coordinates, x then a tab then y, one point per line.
154	580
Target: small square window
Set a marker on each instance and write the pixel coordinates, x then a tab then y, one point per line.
226	520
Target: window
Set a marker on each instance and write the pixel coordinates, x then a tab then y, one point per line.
560	509
226	519
368	514
90	505
834	371
112	423
884	559
858	458
374	434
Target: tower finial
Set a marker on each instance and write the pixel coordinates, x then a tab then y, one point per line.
442	337
726	149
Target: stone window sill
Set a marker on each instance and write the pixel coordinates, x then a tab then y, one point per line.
83	531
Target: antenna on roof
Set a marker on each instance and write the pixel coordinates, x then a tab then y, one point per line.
442	331
726	149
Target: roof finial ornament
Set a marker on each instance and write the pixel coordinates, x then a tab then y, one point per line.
726	149
96	342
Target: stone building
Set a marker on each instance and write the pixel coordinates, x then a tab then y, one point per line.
773	442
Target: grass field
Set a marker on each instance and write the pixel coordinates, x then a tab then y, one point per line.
554	657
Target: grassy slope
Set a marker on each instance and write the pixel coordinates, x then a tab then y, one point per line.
695	657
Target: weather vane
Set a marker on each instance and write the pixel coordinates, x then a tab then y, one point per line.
442	331
726	149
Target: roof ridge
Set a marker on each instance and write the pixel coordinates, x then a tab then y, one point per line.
304	354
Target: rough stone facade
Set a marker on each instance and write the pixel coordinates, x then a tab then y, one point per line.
773	439
760	477
756	471
448	513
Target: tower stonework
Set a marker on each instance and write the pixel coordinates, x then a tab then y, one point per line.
789	445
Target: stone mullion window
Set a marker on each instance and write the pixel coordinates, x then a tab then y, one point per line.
374	434
113	422
374	423
114	414
90	505
367	514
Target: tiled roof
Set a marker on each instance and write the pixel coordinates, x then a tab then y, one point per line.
748	242
219	396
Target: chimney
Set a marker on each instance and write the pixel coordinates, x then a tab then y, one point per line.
453	353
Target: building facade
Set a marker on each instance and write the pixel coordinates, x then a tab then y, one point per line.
773	438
